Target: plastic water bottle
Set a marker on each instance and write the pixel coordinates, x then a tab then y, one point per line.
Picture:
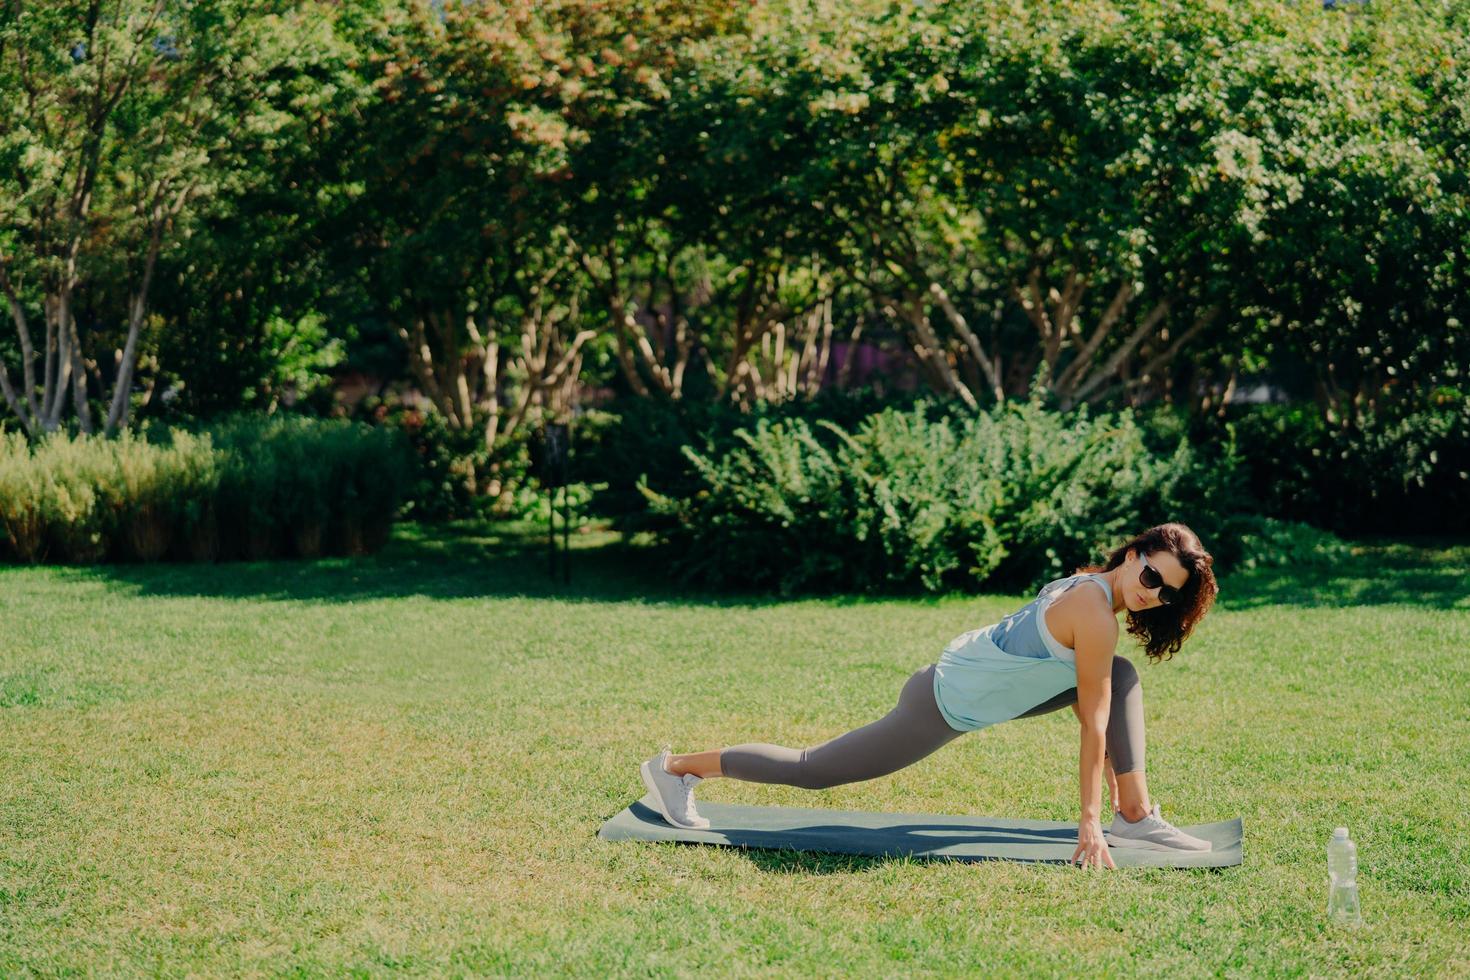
1342	876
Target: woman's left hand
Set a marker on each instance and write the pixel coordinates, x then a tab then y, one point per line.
1092	848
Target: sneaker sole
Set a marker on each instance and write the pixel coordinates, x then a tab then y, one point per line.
658	801
1148	845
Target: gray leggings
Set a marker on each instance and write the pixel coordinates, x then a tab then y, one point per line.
914	729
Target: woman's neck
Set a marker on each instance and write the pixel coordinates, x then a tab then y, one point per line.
1115	588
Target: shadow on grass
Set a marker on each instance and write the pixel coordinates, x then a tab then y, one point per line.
474	560
446	561
1381	571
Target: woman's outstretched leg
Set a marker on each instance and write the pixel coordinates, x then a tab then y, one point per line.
912	730
705	765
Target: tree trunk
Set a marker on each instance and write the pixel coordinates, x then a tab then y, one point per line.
1109	368
926	346
970	340
844	370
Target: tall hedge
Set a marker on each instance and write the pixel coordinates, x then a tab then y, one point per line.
249	488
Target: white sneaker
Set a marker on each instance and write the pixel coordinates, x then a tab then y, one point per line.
1152	833
673	796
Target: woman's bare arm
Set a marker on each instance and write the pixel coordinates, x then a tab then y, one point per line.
1096	637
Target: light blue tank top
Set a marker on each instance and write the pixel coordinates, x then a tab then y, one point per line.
999	672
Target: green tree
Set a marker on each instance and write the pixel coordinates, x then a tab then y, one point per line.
641	188
116	117
459	160
1357	269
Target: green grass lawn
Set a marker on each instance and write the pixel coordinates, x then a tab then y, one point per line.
400	765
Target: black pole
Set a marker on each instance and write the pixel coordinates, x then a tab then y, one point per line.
566	536
550	461
566	500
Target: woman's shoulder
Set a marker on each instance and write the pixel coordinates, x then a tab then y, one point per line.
1080	609
1062	588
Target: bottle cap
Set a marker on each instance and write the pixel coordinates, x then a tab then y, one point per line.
1340	833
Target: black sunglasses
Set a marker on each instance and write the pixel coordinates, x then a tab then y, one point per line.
1151	579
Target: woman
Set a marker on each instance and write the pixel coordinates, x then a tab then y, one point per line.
1056	651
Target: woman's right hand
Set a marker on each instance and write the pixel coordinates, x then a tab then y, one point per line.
1092	848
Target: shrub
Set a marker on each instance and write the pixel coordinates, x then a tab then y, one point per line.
306	486
1007	498
1403	472
530	502
194	500
1266	542
455	475
22	501
773	513
641	442
158	493
77	490
250	487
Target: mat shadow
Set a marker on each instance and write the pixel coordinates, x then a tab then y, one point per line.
829	848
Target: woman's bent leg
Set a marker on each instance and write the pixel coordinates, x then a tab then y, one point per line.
912	730
1125	737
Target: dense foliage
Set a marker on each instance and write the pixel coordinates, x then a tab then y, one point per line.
1003	498
1118	202
475	213
1404	474
1394	473
245	488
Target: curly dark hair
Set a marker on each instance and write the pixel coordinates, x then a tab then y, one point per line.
1163	629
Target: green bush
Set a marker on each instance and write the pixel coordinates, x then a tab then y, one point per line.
927	507
307	487
641	442
87	500
194	504
1266	542
455	475
1006	498
79	489
24	488
159	494
1405	472
531	502
248	487
759	508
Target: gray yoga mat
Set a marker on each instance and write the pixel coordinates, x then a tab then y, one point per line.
919	835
